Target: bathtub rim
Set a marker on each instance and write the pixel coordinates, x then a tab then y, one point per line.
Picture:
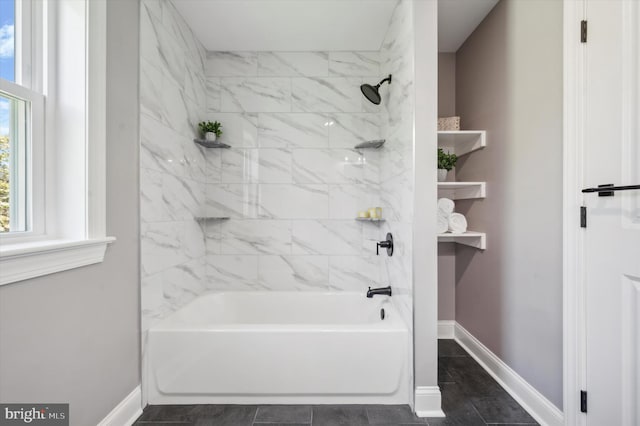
393	322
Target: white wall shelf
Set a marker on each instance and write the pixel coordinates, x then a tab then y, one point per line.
469	238
461	142
462	190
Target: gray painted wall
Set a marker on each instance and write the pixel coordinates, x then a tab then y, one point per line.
446	84
446	281
447	251
74	336
509	82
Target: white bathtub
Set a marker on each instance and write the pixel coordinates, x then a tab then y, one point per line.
280	347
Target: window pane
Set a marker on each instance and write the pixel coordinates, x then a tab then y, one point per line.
13	165
7	39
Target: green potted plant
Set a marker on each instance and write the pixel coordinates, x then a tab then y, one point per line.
446	162
210	130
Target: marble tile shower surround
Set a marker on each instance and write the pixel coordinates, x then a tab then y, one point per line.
172	167
396	178
292	182
397	175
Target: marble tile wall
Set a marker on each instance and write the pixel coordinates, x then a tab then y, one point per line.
172	168
292	182
397	179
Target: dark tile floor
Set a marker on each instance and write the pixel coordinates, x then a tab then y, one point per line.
469	397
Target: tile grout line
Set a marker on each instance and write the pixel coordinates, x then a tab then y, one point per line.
477	412
255	415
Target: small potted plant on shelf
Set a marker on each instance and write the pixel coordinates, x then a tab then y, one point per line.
446	162
210	131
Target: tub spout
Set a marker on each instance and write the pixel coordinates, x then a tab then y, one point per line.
382	290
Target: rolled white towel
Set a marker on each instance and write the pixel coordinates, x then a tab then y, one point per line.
445	206
443	223
457	223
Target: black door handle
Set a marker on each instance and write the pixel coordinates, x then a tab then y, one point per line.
608	189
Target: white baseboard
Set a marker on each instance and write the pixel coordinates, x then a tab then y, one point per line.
446	329
539	407
428	402
126	412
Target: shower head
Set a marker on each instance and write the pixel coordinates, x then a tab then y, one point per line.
372	92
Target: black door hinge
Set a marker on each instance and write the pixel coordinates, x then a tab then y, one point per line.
583	31
583	401
583	217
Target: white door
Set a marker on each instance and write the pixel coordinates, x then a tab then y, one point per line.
612	237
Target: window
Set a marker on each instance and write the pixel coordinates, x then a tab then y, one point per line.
13	164
62	157
7	161
21	119
7	39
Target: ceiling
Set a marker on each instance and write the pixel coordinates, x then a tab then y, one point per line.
288	25
457	19
317	25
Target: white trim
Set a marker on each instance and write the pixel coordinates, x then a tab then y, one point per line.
446	329
428	401
574	373
527	396
126	412
26	261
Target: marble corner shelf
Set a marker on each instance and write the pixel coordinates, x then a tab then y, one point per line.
368	219
210	144
472	239
371	144
462	190
461	142
211	218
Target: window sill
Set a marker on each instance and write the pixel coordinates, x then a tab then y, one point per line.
29	260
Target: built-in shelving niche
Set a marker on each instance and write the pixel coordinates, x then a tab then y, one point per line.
463	142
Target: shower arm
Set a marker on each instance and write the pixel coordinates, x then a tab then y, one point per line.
388	79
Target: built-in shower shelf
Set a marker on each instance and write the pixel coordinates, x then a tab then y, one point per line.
461	142
371	144
462	190
469	238
210	144
368	219
211	218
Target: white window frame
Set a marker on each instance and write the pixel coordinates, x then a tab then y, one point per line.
29	35
69	225
34	161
